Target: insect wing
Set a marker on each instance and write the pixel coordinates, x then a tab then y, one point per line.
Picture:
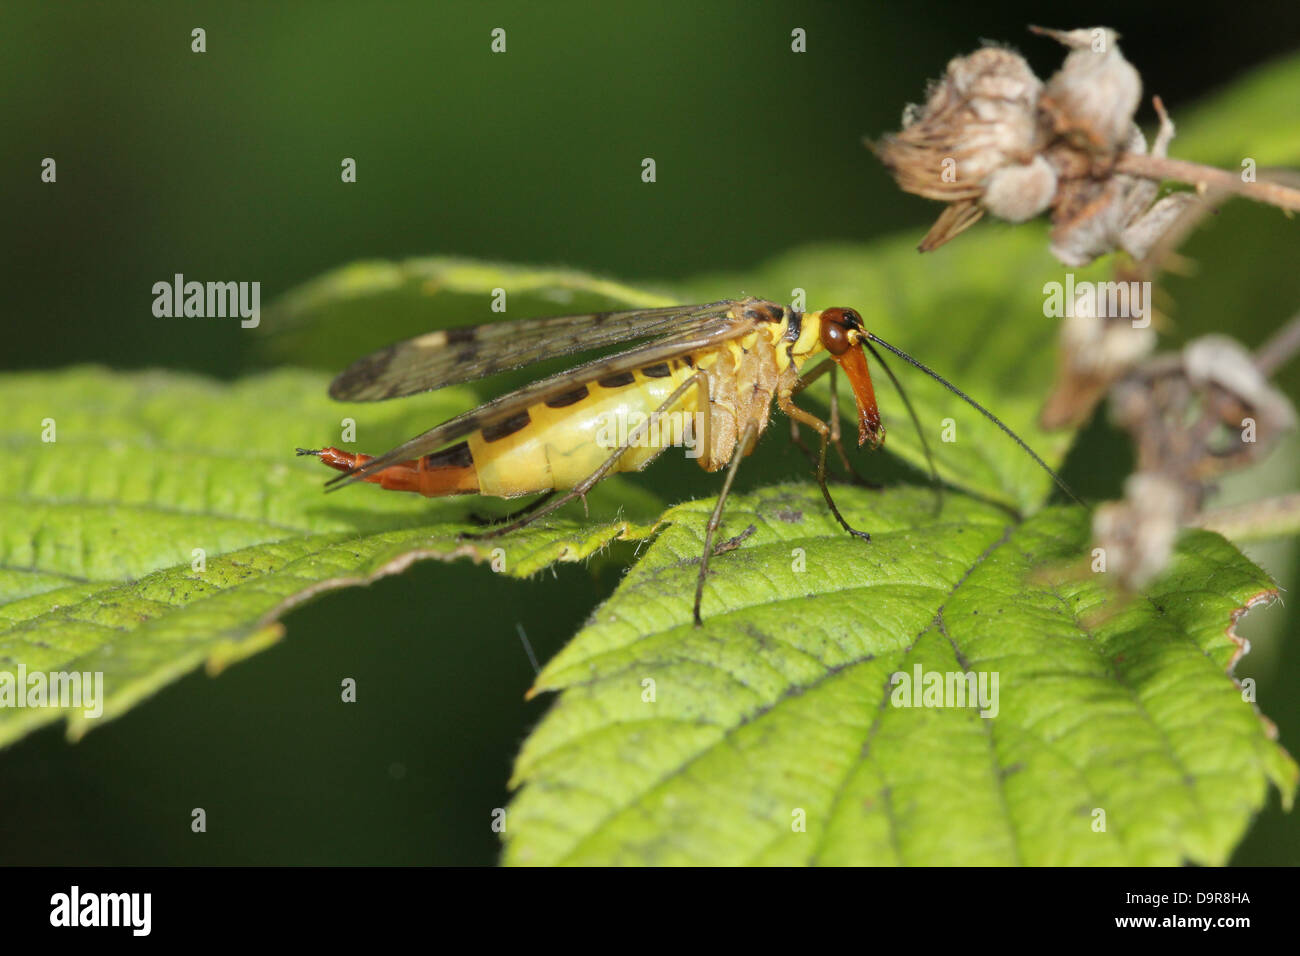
453	356
718	324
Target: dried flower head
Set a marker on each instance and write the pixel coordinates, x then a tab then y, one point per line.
1193	415
1093	216
1198	413
976	118
1091	100
992	138
979	120
1137	533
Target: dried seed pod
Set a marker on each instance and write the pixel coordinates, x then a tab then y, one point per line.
1088	219
978	119
1091	100
1141	236
1094	216
1018	193
992	138
1254	414
1137	533
1193	415
1201	412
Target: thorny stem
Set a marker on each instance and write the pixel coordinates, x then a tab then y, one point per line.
1257	521
1279	349
1163	167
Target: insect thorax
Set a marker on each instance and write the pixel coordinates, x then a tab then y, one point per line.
743	375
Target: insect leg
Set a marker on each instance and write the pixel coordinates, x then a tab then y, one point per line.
821	369
698	380
787	406
512	515
828	365
742	448
796	437
704	415
835	434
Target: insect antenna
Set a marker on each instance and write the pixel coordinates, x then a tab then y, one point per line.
1060	482
916	421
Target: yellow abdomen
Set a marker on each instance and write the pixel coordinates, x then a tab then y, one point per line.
555	445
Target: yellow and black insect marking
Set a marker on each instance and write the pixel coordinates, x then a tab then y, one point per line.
720	365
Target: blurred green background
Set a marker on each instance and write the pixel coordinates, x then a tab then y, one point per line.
225	165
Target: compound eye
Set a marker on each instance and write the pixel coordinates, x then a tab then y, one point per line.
852	319
835	338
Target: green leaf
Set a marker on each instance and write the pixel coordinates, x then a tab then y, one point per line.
677	745
100	530
1243	121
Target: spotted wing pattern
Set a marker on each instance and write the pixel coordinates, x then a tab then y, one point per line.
452	356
